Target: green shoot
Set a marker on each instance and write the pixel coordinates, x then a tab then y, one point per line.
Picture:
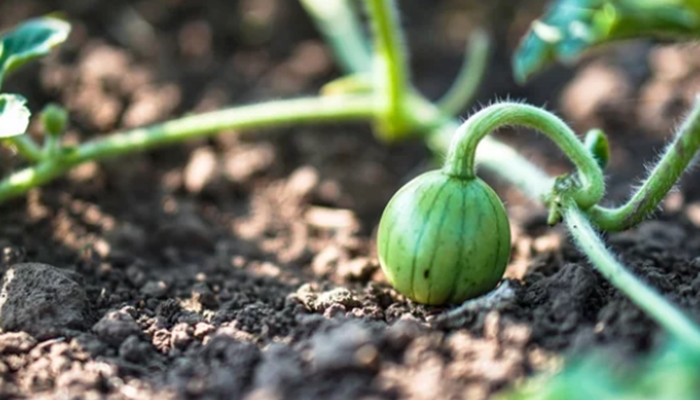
389	68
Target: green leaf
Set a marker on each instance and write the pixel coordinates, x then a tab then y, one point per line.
32	39
570	27
14	115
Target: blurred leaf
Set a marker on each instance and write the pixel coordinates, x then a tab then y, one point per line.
569	27
670	373
32	39
14	115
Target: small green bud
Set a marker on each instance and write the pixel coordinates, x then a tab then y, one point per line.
54	119
444	239
597	144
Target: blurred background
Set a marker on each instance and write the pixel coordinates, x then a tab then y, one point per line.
131	63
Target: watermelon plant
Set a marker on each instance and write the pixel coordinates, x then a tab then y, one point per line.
413	242
444	237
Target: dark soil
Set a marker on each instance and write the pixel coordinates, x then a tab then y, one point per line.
243	266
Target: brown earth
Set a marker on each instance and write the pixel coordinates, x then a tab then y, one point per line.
243	266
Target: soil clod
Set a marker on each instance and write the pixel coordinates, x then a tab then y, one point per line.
43	301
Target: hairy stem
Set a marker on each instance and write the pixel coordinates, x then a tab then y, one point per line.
461	154
327	109
666	314
498	158
470	75
665	174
